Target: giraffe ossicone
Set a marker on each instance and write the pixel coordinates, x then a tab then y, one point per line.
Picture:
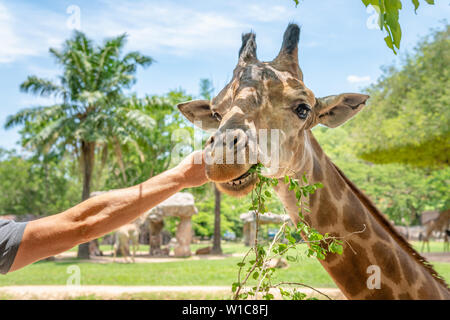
272	96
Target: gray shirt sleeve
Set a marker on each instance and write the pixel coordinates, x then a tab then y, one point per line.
10	237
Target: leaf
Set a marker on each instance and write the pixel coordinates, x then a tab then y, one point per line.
282	247
416	5
291	258
244	296
268	296
388	12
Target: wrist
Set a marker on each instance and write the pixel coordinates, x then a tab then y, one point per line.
179	177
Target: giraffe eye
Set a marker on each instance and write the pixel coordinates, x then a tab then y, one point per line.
302	110
217	116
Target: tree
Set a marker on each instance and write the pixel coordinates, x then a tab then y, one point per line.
35	186
400	191
150	154
408	117
388	18
206	91
91	116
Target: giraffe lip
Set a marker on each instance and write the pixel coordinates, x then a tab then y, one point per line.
242	181
246	174
239	184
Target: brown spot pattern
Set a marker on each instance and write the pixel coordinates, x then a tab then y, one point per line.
428	292
307	217
355	217
335	181
314	200
353	269
384	293
294	84
405	296
380	231
327	213
316	147
387	261
317	170
330	257
408	266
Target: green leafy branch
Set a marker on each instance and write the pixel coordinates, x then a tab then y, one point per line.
388	19
388	13
259	268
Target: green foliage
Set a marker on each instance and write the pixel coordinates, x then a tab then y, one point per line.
150	152
408	118
231	208
258	268
399	191
388	18
34	186
92	115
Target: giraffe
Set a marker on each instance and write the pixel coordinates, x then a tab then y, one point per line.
441	224
272	95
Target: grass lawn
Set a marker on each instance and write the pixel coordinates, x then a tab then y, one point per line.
434	246
222	272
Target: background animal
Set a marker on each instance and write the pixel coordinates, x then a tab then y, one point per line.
440	224
124	236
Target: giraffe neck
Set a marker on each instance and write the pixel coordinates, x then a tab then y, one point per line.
341	210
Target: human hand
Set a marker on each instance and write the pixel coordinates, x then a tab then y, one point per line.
192	170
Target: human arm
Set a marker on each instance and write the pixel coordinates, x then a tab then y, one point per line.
102	214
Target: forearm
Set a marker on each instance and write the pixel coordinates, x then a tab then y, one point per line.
107	212
94	218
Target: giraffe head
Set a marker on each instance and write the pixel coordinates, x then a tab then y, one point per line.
264	99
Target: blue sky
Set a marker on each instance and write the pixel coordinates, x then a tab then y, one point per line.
339	51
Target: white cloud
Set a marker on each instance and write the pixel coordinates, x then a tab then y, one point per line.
154	27
267	14
358	79
28	31
12	46
164	27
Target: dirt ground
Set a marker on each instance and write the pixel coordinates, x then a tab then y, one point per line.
118	292
437	256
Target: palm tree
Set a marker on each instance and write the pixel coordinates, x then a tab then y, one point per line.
91	116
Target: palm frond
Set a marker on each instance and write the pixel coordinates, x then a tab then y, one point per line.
136	57
40	86
38	114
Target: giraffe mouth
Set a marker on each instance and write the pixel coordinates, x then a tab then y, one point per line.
239	186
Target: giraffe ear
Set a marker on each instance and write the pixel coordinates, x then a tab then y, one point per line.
332	111
199	113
